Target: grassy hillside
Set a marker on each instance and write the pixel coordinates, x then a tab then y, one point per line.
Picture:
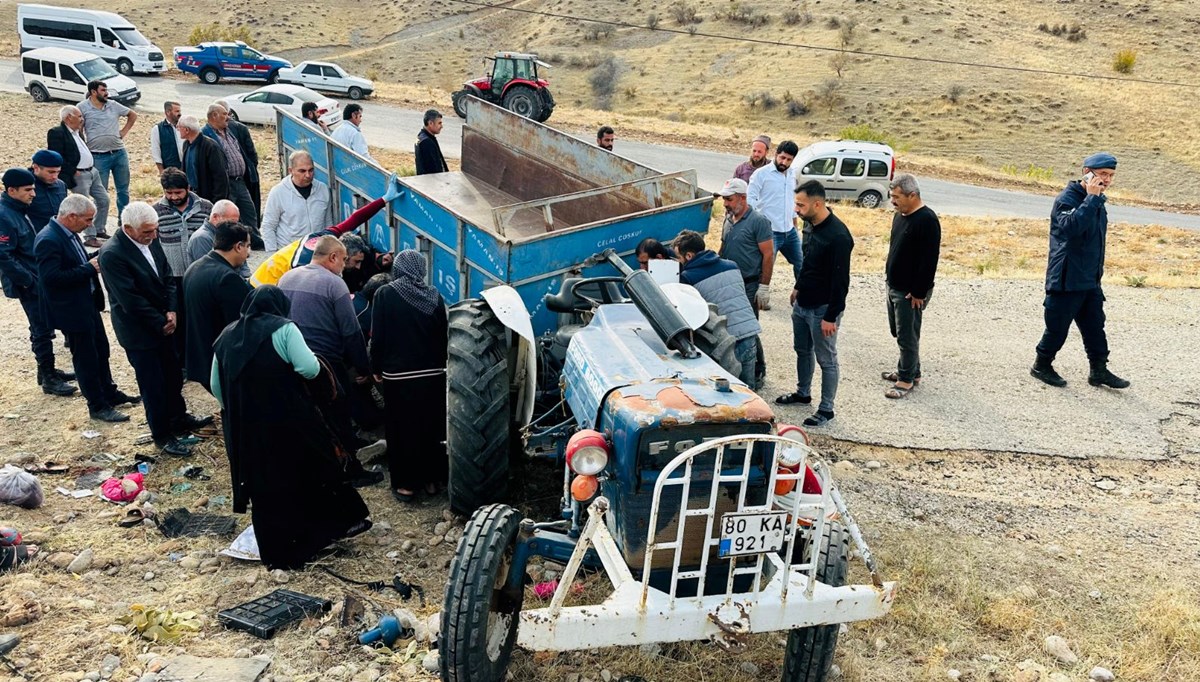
1035	127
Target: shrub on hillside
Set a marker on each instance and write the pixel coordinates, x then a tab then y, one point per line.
1073	34
955	93
684	13
796	108
1124	60
761	100
864	132
746	15
652	21
594	30
603	81
215	32
794	17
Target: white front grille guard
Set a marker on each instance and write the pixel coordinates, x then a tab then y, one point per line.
783	595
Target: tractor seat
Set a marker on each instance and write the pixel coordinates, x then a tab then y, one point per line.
566	302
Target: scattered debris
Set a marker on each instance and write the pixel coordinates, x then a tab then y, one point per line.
159	625
264	616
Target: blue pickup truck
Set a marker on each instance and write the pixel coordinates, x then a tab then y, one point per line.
214	61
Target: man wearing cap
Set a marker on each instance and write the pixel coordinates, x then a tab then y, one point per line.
746	239
1078	229
49	190
18	274
758	158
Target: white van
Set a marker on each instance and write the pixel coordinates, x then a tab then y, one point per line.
104	34
57	73
849	170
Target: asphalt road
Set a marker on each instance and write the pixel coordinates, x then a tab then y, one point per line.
394	127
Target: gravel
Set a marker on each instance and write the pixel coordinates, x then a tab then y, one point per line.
977	346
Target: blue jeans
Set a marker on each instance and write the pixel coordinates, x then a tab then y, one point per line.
808	341
746	350
788	243
116	163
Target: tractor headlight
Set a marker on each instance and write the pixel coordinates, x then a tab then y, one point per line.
587	452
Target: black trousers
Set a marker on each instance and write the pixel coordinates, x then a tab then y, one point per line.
337	414
1086	310
416	431
41	334
89	356
160	381
179	338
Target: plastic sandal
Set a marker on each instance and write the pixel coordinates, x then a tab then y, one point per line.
898	392
793	398
894	377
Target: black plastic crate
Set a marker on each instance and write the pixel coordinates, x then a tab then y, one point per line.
264	616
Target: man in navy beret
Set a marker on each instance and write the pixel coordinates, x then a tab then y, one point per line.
1078	229
49	189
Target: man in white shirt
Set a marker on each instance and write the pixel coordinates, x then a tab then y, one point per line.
298	206
161	137
79	167
348	133
773	193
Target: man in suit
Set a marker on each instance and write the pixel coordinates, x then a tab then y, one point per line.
203	161
18	274
213	295
241	164
142	291
78	171
69	286
253	183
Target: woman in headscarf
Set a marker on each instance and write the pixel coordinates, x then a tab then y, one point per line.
408	357
282	459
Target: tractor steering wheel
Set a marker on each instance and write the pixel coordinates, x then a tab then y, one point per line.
606	291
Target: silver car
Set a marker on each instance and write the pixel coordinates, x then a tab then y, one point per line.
849	170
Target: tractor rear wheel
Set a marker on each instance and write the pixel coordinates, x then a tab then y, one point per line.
523	101
480	616
715	341
478	415
460	103
809	653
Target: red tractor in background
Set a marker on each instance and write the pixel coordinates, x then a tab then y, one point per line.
513	83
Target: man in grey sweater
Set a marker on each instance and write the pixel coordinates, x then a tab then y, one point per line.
322	309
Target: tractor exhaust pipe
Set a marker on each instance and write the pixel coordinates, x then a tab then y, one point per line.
654	304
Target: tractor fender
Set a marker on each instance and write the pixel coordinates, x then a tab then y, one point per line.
509	309
473	90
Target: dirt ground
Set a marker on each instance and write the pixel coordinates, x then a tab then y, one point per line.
993	552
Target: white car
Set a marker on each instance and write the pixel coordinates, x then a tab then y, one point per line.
259	106
327	77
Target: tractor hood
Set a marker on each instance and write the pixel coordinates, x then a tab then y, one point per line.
618	359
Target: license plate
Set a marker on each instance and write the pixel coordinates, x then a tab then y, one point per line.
158	66
745	533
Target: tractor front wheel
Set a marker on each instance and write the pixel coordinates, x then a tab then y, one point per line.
478	416
523	102
715	341
481	610
810	650
460	103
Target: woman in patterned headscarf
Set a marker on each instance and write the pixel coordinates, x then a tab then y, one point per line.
408	357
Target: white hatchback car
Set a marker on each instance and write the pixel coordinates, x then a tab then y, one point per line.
327	77
849	170
259	106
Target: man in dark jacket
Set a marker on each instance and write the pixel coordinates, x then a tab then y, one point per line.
911	264
241	164
818	300
18	274
203	161
1078	230
49	189
142	292
213	295
429	152
69	287
78	170
719	281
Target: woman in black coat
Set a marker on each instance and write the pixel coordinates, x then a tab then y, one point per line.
408	357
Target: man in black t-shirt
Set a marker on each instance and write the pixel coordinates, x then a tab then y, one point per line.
911	264
818	300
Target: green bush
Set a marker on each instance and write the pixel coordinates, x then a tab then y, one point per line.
1124	60
865	133
215	32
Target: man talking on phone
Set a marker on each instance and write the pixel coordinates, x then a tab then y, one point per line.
1078	229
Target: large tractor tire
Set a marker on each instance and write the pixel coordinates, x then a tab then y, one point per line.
479	616
523	101
809	652
478	415
460	103
715	341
